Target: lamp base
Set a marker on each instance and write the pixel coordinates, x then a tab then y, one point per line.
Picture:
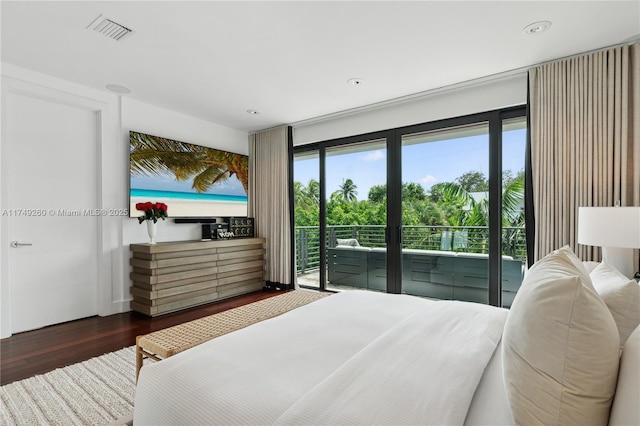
619	258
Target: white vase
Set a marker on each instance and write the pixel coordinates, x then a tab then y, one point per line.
151	230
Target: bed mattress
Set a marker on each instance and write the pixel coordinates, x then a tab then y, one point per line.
355	357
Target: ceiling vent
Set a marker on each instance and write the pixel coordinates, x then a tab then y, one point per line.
110	28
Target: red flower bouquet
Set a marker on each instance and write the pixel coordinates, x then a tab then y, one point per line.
152	211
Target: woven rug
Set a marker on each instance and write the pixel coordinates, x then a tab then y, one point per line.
93	392
101	390
170	341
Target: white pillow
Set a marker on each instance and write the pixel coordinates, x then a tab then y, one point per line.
348	242
626	409
560	346
590	265
621	295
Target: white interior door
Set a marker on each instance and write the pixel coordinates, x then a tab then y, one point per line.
51	189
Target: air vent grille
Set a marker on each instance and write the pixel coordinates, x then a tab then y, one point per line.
110	28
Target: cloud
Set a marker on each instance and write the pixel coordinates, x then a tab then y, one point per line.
428	180
373	156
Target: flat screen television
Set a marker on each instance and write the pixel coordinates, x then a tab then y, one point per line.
194	181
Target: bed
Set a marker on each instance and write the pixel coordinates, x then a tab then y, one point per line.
362	357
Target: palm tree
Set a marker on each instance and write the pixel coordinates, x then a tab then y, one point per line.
347	191
306	197
313	192
152	155
299	191
464	210
512	197
457	203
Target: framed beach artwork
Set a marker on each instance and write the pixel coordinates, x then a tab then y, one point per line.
193	180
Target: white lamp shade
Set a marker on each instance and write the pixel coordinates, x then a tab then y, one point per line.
609	226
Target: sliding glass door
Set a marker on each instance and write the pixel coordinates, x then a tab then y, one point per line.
356	216
445	199
514	241
306	203
340	216
433	210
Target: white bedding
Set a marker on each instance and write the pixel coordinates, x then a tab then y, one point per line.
353	358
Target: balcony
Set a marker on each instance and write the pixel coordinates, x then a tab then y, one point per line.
438	261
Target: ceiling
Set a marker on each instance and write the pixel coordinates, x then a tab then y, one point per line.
291	60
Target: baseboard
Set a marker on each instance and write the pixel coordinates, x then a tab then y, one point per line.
118	307
278	286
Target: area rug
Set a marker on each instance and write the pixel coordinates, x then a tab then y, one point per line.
101	390
92	392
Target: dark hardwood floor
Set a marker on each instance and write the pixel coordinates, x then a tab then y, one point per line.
39	351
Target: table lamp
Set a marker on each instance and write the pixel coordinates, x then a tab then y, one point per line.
616	230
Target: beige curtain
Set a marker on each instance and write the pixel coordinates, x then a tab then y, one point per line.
585	141
269	201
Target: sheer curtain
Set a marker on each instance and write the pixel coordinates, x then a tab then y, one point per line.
269	201
585	141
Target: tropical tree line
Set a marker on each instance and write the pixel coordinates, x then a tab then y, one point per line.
446	204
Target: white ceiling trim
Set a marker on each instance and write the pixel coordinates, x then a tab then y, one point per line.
410	98
462	85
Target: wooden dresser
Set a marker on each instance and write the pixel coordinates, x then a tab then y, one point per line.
171	276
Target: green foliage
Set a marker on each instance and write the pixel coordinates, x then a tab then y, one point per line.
413	192
508	177
422	212
449	203
378	193
410	192
307	203
435	194
346	191
473	181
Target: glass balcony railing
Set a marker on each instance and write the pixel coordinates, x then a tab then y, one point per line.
440	262
467	239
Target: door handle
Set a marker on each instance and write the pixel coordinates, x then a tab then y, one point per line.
16	244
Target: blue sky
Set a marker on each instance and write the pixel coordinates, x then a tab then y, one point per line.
424	163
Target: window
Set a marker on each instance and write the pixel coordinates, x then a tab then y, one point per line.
434	210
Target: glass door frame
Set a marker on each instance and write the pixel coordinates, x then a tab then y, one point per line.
393	232
322	148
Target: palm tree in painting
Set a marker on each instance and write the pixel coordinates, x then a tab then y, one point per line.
152	155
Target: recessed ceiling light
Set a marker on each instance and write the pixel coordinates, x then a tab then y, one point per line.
118	89
253	112
355	81
537	28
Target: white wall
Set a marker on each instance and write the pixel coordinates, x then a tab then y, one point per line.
454	101
118	117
